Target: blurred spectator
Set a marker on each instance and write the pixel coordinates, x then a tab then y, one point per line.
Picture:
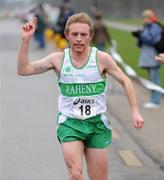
101	35
147	38
65	12
93	11
41	25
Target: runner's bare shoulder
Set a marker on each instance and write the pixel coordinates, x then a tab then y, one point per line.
104	60
56	60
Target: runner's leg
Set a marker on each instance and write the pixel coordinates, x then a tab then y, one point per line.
73	155
97	163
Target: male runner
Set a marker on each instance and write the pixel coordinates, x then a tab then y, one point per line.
160	58
83	129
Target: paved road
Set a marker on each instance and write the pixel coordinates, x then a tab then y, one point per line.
29	147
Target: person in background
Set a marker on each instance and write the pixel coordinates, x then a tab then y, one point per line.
147	38
101	35
42	20
160	58
65	12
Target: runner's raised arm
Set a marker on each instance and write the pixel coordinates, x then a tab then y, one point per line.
24	66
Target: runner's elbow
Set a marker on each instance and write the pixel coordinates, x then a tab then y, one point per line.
23	72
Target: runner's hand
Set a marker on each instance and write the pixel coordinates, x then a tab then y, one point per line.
138	120
28	29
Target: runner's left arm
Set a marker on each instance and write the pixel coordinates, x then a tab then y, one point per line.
111	68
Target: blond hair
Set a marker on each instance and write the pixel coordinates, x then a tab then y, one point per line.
79	18
150	14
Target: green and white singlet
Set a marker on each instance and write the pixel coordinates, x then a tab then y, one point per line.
82	91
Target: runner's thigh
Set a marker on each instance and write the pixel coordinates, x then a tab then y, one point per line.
73	154
97	163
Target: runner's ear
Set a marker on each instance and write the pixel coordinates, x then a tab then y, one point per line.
66	35
91	35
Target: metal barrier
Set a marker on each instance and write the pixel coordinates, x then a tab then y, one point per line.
130	71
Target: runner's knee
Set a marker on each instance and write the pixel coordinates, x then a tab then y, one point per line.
75	173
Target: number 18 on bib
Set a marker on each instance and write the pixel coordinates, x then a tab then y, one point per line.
84	107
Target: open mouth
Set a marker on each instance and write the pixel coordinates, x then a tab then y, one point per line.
78	45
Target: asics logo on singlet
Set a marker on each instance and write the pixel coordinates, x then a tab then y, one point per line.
84	101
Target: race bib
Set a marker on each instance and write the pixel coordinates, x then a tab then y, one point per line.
84	107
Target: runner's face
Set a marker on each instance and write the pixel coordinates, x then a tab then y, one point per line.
79	36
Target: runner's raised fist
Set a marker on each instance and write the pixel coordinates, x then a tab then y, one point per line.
28	29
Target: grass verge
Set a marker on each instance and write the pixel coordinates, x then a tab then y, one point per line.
129	51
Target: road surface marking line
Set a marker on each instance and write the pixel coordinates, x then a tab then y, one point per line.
115	134
130	158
